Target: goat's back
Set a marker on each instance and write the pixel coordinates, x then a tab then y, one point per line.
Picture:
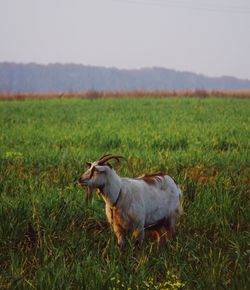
152	198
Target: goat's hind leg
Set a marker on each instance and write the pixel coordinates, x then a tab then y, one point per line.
172	224
160	233
163	235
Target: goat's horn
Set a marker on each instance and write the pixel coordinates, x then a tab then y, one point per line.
104	156
108	157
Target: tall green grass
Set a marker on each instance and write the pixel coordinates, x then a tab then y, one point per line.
51	239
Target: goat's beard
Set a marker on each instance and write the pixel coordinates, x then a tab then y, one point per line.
89	195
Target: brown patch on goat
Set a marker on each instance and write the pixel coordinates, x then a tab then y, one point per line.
152	178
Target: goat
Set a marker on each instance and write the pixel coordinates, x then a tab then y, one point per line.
134	204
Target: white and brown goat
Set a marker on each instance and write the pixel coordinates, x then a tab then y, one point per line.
134	204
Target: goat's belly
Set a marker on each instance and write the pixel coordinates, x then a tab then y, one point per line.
156	215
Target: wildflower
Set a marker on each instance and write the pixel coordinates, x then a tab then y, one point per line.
146	283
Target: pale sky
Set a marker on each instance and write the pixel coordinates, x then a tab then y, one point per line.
211	37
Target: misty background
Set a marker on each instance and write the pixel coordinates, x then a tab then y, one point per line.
117	37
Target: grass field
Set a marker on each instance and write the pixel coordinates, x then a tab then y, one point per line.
51	239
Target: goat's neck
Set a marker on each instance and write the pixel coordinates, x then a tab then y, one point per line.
111	190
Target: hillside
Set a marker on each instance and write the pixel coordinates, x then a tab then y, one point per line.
74	78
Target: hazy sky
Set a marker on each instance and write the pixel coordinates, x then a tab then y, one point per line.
211	37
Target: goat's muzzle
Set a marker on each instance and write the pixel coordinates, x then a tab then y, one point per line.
82	182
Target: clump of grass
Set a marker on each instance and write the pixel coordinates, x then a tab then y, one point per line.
170	144
224	145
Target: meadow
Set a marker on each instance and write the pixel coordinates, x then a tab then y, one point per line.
50	238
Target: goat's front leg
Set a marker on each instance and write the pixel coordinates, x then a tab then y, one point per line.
139	235
120	234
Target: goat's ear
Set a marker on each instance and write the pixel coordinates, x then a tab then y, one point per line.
100	168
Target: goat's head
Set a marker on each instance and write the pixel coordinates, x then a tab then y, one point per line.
96	175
